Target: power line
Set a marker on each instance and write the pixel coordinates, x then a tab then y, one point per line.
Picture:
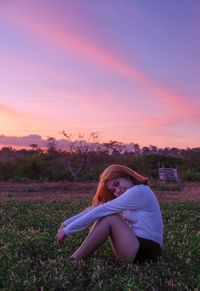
99	99
93	129
134	134
169	118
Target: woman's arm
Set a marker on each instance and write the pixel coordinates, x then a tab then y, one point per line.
132	199
76	216
60	236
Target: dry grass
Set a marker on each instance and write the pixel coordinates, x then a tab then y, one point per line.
72	190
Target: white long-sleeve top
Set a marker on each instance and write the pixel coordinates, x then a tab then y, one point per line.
139	208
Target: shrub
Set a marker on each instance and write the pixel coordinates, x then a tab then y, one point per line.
191	176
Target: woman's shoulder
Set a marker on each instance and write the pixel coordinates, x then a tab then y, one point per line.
138	189
141	187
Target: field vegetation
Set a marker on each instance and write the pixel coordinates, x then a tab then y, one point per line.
31	259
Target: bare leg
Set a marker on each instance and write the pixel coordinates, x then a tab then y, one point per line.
123	241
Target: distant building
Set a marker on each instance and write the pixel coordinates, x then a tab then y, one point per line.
168	175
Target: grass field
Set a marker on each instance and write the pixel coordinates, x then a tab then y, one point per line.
32	260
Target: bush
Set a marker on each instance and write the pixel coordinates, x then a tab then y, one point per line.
191	176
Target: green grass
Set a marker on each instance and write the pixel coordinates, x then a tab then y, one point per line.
30	259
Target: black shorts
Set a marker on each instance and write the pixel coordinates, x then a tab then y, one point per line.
148	251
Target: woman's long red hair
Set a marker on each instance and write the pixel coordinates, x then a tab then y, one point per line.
102	194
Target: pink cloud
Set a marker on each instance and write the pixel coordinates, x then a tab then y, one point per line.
173	120
7	110
75	44
15	119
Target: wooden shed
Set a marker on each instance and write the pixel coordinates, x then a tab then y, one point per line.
168	175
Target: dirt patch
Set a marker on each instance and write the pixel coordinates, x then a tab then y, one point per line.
71	190
46	191
187	193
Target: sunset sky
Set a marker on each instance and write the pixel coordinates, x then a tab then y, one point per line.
126	69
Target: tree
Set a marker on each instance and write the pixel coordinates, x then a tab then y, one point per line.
36	148
146	150
77	156
114	146
6	153
52	145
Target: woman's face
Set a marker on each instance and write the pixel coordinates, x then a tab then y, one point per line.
119	185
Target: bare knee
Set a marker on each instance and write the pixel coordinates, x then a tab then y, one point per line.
110	218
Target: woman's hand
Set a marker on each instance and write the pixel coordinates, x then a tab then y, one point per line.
61	227
60	236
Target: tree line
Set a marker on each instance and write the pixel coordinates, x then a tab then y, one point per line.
84	161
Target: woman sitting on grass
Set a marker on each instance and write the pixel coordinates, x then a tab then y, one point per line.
126	211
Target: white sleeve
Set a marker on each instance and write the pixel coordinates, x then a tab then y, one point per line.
132	199
76	216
